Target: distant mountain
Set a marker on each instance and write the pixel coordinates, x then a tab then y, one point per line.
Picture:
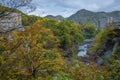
82	16
58	17
98	18
85	16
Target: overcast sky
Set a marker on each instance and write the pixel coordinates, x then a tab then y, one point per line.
68	7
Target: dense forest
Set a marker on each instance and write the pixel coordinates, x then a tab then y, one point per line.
47	50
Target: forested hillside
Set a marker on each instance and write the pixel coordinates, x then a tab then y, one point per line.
47	50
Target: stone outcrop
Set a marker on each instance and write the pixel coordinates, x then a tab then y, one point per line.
10	22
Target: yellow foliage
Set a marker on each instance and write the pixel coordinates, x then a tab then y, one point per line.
33	54
88	72
101	37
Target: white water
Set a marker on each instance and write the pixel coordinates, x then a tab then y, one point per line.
84	47
82	50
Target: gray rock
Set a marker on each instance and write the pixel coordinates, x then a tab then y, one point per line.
99	61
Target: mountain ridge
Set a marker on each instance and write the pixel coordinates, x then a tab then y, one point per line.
87	16
58	17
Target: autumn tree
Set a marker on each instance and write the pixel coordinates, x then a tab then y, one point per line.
103	36
89	30
67	32
32	54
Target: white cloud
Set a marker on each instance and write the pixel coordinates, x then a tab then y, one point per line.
68	7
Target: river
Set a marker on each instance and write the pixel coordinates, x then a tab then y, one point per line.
83	48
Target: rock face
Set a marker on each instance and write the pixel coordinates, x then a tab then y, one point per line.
10	21
108	49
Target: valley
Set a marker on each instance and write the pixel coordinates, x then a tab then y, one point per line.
83	46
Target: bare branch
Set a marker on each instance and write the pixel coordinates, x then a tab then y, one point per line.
13	5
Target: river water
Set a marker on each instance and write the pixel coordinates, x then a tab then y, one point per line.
84	48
